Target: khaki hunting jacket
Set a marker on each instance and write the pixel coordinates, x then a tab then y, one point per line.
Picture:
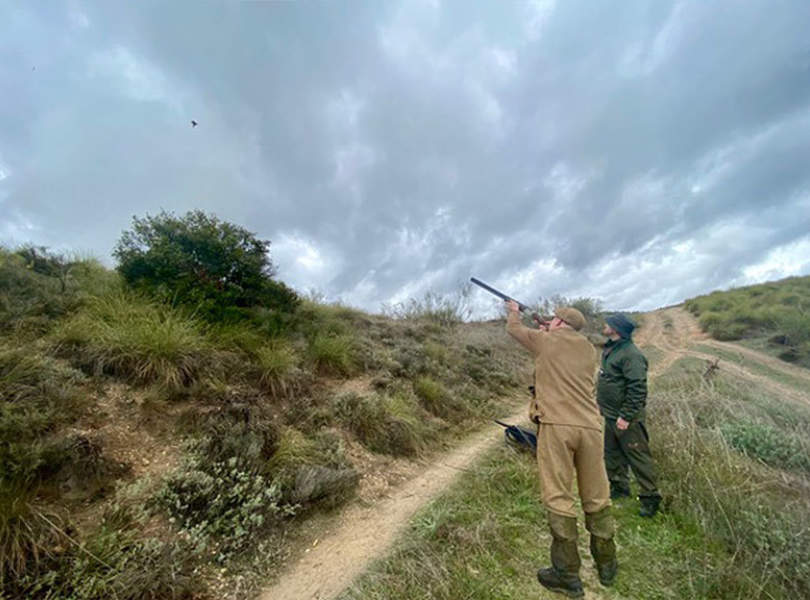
565	368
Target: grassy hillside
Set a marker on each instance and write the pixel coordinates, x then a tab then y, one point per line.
735	473
774	316
149	454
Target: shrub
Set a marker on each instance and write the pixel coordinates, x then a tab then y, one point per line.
312	319
313	469
134	338
241	427
768	444
445	310
114	564
37	396
28	300
332	354
277	363
383	424
435	398
221	505
197	260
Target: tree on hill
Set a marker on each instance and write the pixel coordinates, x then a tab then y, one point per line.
218	268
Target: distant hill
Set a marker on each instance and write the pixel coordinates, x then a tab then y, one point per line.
773	316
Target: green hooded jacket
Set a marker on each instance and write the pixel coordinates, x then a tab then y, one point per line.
621	390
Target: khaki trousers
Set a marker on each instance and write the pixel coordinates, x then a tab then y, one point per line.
564	451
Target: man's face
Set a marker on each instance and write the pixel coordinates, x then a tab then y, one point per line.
555	323
608	331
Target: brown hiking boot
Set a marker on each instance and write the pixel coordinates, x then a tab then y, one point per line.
560	581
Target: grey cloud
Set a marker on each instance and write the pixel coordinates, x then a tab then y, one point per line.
598	136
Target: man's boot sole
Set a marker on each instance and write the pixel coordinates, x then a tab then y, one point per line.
562	590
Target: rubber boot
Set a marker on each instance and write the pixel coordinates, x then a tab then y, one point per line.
603	550
649	506
563	575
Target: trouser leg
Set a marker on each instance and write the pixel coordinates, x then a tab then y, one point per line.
615	461
636	448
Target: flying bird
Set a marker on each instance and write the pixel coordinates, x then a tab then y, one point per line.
193	123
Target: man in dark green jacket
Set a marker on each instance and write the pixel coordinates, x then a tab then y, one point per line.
622	395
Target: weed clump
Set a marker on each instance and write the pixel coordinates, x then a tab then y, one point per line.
332	354
134	338
768	444
221	505
436	399
389	425
706	433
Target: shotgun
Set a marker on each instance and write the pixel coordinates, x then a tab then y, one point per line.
523	308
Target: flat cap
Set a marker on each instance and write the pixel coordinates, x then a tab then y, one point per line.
571	316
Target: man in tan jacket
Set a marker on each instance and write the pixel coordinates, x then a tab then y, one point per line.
569	442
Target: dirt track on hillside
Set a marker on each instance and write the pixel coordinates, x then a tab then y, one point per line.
344	549
673	331
365	533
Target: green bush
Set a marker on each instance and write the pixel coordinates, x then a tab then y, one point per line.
313	469
134	338
769	444
332	354
444	310
215	267
221	505
278	364
436	399
113	564
38	395
383	424
28	300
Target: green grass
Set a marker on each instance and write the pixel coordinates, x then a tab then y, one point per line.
136	339
779	310
487	536
754	366
386	424
332	354
730	527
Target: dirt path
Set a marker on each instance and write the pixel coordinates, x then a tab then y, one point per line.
363	534
673	331
769	361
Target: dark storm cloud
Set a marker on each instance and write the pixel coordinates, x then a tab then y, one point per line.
640	152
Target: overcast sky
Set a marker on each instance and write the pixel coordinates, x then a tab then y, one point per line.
640	152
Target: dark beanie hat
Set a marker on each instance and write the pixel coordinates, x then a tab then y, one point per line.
621	324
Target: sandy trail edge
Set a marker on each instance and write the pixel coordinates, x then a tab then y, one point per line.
364	534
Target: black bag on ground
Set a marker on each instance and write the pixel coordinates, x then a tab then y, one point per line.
519	437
